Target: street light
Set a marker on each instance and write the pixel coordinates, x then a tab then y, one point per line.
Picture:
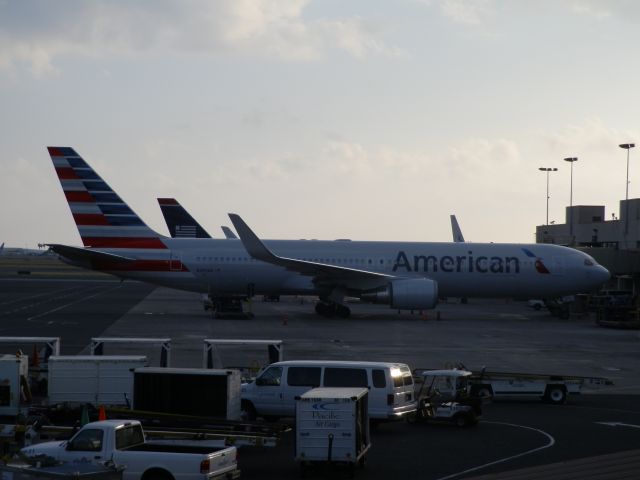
545	169
571	160
627	147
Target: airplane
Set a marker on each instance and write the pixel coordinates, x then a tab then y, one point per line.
455	229
404	275
228	233
179	222
1	248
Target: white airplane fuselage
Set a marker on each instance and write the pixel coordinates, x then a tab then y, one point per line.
223	267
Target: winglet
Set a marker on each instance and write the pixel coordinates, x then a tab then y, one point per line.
250	240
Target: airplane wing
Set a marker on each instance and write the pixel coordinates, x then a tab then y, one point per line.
86	255
228	233
322	273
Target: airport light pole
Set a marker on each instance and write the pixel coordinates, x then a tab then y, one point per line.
571	160
627	147
546	169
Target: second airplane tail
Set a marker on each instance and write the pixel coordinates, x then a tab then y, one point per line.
102	218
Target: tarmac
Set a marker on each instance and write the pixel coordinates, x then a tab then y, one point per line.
500	335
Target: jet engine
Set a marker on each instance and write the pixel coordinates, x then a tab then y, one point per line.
406	294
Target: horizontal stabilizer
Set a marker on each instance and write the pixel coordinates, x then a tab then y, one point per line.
78	254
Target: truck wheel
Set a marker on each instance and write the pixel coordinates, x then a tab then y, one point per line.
484	391
461	420
248	411
157	474
556	394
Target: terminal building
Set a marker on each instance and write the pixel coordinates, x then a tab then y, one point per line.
614	242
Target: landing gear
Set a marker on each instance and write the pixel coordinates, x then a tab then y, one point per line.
331	309
228	307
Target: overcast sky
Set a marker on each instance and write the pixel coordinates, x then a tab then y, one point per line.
361	119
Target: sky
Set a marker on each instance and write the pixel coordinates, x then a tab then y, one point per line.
361	119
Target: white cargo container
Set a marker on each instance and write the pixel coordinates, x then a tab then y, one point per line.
13	383
100	380
332	426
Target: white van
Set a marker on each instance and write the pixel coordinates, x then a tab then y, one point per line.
273	393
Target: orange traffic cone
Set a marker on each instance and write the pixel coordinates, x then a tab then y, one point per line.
102	414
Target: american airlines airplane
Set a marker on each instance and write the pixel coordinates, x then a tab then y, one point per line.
180	222
404	275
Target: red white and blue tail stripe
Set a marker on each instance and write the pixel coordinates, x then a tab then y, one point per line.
102	218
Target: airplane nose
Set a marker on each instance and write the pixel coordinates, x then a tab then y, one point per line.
603	274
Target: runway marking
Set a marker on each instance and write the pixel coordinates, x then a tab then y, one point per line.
73	293
550	443
30	319
618	424
36	296
515	316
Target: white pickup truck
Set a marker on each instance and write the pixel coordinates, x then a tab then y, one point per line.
122	442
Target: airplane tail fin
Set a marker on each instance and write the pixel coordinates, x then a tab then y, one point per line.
179	222
455	229
102	218
1	248
228	233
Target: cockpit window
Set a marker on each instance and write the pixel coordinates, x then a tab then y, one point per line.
588	262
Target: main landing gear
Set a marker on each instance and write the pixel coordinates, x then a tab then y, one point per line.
332	309
227	307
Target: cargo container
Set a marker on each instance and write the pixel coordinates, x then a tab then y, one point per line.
100	380
332	426
188	391
13	383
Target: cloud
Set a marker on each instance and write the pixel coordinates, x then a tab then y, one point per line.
474	12
592	135
36	32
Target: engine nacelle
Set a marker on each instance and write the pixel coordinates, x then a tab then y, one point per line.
406	294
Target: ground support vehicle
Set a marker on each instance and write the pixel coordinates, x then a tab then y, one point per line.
123	443
554	389
57	423
272	394
332	428
443	396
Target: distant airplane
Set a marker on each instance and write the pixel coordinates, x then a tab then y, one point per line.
455	228
404	275
228	233
179	222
